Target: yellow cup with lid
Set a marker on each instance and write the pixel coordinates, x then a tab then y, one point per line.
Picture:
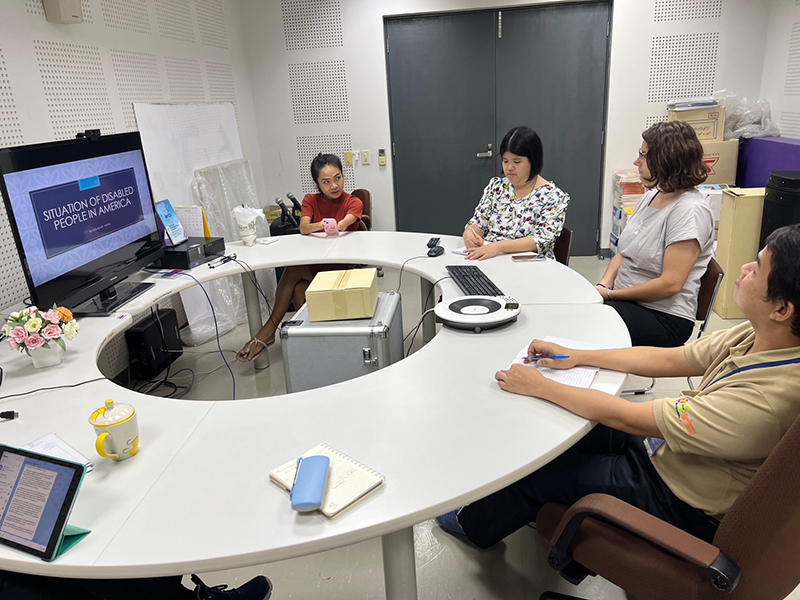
117	429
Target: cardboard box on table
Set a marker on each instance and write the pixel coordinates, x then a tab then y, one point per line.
708	123
720	159
338	295
737	242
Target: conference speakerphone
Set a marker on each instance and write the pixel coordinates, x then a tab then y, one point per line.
193	252
477	313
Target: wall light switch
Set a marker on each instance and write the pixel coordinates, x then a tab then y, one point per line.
365	157
348	159
382	157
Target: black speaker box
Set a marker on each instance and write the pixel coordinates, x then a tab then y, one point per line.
154	343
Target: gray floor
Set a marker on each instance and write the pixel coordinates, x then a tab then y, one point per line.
446	566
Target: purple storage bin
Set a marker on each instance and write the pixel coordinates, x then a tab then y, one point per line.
758	157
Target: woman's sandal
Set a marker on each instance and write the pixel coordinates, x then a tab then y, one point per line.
246	350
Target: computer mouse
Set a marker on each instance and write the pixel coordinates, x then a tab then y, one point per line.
436	251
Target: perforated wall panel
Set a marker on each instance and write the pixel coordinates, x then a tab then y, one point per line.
74	88
14	288
309	146
211	20
682	66
86	8
34	7
10	132
185	80
319	92
684	10
174	19
792	83
653	119
790	124
312	23
137	78
220	84
130	15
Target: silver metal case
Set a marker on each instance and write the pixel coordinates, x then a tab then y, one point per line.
327	352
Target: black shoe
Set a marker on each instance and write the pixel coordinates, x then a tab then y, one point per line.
258	588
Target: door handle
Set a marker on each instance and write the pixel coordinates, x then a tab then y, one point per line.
487	154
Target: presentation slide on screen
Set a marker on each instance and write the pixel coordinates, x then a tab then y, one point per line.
73	213
31	495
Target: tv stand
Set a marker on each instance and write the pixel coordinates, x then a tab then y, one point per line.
110	299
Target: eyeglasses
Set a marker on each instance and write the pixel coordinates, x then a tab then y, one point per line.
642	154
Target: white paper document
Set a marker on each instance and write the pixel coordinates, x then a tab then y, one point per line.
54	446
576	376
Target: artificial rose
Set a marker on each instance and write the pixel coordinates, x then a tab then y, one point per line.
30	310
71	329
34	341
51	332
19	335
52	316
14	345
66	314
33	325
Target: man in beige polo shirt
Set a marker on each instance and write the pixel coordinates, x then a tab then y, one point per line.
683	459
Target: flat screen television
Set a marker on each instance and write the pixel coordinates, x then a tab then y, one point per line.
83	219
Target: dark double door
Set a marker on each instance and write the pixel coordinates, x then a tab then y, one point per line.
458	82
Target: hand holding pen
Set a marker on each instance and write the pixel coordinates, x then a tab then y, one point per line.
471	238
547	354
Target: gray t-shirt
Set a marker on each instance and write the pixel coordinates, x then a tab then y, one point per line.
648	233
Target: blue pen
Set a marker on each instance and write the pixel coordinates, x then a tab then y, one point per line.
553	356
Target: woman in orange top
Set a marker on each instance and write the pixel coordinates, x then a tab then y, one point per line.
332	202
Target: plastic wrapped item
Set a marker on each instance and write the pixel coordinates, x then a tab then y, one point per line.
246	217
218	189
745	119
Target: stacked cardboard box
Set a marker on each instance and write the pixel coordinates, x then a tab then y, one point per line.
739	230
720	156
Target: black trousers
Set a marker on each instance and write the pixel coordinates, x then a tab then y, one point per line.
16	586
604	461
649	327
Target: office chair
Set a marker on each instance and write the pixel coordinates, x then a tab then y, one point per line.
755	554
706	295
563	245
366	216
366	200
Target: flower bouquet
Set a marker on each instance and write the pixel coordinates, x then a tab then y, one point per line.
32	328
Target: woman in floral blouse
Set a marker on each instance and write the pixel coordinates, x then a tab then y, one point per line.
521	212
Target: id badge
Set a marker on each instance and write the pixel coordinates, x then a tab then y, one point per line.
652	444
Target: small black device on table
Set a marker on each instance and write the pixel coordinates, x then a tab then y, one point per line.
193	252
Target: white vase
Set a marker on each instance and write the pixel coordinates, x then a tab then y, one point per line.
47	357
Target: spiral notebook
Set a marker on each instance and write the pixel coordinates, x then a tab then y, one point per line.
348	480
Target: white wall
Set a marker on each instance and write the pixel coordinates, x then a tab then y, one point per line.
780	67
741	25
56	80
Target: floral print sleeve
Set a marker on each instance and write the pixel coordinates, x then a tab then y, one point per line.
540	216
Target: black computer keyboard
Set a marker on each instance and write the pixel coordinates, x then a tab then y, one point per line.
473	281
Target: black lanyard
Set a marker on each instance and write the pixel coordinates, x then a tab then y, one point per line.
775	363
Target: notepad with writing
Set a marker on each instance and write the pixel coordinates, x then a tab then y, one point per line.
348	479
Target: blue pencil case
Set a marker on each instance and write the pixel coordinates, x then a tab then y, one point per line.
309	483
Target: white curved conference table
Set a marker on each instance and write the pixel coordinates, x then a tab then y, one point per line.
198	498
